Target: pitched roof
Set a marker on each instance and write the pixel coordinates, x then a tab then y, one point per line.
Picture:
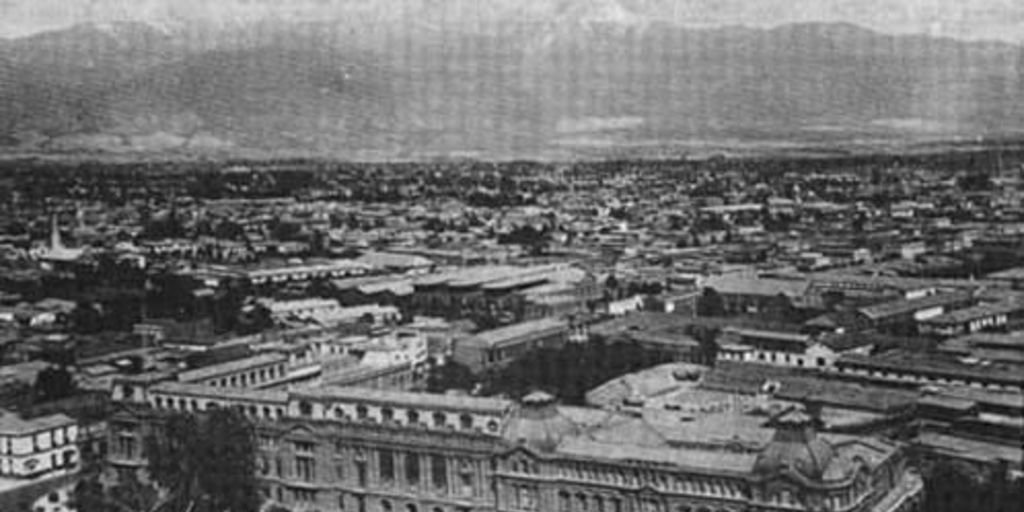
11	424
735	285
237	365
973	313
509	333
905	306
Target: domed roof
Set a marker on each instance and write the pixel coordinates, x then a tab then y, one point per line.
796	447
538	423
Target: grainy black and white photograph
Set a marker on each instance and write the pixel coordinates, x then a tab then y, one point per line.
511	255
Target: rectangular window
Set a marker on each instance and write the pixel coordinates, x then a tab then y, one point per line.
466	483
361	473
387	465
304	447
439	472
305	469
412	469
126	446
304	495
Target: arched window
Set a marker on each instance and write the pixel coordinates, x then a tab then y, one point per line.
159	403
305	409
466	422
785	496
564	501
362	412
266	412
412	416
339	413
581	502
385	506
411	508
616	504
387	414
439	419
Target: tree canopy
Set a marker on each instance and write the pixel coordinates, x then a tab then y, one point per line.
206	462
568	373
53	384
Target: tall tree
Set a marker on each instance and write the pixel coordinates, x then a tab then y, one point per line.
206	462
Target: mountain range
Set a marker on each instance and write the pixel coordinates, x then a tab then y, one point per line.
572	79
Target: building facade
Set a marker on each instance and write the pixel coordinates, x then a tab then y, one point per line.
350	449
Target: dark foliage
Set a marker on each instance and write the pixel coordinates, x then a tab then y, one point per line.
710	303
207	462
53	384
449	376
569	372
86	319
958	487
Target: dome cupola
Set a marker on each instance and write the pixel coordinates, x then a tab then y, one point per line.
538	423
795	447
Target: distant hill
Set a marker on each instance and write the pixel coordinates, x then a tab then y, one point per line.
593	78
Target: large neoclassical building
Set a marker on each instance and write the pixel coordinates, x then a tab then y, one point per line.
333	449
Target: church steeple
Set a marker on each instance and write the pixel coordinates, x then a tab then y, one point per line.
55	241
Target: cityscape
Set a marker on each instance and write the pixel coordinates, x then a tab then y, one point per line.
834	324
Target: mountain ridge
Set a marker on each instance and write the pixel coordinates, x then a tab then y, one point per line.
595	79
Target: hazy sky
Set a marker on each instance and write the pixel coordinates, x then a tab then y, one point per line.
967	19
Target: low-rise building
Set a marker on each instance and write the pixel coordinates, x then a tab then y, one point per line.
38	457
1000	316
776	348
499	347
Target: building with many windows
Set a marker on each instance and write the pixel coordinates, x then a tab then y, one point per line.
368	450
38	460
